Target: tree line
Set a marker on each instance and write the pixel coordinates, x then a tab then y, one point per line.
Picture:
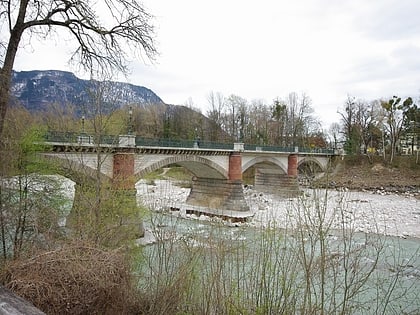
286	122
379	127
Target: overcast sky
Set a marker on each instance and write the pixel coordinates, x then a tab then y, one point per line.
265	49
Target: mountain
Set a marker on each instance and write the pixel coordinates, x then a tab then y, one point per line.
35	89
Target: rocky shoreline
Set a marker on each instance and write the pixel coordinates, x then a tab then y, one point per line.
360	175
409	190
375	211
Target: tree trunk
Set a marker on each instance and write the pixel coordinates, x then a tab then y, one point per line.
5	78
9	60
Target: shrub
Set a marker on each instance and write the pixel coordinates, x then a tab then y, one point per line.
74	279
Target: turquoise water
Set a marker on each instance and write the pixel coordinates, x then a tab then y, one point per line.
290	270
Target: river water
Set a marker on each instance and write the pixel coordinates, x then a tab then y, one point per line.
339	253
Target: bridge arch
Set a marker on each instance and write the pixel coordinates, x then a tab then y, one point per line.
265	159
309	160
199	166
79	173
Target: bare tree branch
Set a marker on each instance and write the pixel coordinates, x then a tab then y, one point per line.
103	46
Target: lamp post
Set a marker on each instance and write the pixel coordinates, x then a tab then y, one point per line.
130	120
196	141
83	124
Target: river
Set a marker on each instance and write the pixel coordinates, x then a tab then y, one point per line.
360	243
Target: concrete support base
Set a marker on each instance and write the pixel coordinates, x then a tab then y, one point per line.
276	182
222	194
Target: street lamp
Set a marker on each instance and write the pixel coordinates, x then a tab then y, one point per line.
130	120
83	124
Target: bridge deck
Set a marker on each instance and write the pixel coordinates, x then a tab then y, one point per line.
65	141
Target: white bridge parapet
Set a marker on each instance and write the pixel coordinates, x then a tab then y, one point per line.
127	141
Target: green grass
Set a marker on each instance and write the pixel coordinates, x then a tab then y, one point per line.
179	173
174	173
150	177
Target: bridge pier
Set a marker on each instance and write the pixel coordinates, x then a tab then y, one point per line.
275	181
124	188
220	194
123	171
292	163
220	197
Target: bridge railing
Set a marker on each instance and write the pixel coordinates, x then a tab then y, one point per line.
107	139
316	150
77	137
150	142
214	145
140	141
84	138
61	136
254	147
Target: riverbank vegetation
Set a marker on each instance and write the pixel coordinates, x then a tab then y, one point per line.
360	172
66	256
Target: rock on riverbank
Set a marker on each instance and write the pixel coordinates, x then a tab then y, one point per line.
365	211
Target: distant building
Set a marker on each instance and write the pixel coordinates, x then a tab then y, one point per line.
409	143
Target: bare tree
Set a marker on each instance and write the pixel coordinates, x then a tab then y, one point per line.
334	131
300	119
215	113
363	126
364	122
30	205
412	126
102	46
348	118
395	119
259	112
104	211
243	121
149	121
236	116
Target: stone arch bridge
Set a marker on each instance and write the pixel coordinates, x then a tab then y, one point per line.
217	183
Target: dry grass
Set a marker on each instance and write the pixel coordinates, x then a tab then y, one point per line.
75	279
360	172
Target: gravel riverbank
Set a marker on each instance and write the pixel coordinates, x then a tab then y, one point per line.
374	211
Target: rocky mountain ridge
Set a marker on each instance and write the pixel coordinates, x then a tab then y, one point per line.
35	89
